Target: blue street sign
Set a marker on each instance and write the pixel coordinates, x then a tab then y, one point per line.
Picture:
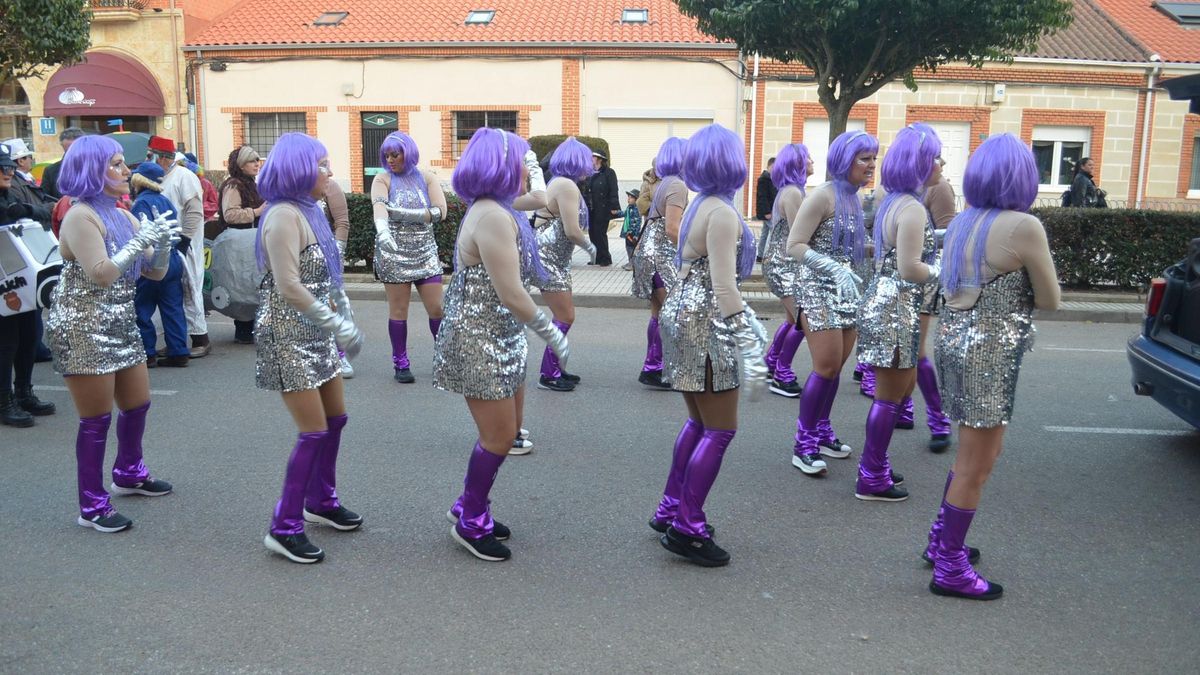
48	126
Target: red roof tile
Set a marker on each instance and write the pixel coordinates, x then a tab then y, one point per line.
276	22
1159	32
1092	36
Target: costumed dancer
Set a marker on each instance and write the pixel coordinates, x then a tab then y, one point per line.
653	259
239	207
996	269
789	173
889	320
407	203
303	319
337	211
480	351
713	343
828	237
560	228
939	201
165	296
92	329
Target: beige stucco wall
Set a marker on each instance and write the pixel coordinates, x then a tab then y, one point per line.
1165	148
658	86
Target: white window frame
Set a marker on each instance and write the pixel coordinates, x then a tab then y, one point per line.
1059	135
1193	193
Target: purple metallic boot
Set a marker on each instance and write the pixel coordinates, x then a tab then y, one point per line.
952	572
859	369
938	421
398	333
94	510
434	325
652	366
784	381
905	420
475	527
806	454
321	503
552	377
828	442
130	476
874	471
685	445
287	525
867	386
688	534
935	530
776	344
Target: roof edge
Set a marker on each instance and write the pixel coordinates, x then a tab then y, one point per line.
730	46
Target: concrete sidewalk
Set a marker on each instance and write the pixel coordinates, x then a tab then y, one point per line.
608	287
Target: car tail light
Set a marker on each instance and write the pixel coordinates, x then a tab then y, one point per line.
1157	288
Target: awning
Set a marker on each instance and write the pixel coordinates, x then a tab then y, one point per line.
103	84
1186	88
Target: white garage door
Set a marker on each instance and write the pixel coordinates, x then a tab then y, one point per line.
816	139
634	143
956	146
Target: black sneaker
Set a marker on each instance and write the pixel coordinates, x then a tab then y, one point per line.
904	424
834	448
520	447
858	376
812	464
499	531
149	487
994	591
404	376
152	362
786	389
12	414
487	548
570	377
972	555
109	522
340	518
939	443
897	478
662	525
554	384
294	547
701	551
174	361
653	378
892	494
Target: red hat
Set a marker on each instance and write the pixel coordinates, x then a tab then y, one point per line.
162	146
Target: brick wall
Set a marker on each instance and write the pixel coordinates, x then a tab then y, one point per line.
980	118
570	97
1191	129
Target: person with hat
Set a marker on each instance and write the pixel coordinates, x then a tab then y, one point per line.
603	205
631	229
50	174
24	187
18	332
239	207
186	194
165	295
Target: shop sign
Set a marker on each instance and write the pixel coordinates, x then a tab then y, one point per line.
47	126
73	96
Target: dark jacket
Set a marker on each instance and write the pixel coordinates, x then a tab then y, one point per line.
764	199
603	196
24	191
1084	192
50	180
148	200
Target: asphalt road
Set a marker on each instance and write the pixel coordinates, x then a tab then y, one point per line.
1094	536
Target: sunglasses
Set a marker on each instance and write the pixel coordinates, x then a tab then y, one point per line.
8	170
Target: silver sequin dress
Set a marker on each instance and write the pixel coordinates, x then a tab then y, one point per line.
979	351
92	329
555	249
889	319
654	254
415	257
781	271
293	353
695	335
818	292
480	350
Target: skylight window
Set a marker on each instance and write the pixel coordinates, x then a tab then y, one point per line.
1186	13
331	19
480	17
635	16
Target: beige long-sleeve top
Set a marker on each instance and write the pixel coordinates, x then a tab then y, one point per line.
789	200
714	233
339	211
904	228
674	201
817	207
381	188
81	238
232	209
939	200
562	201
285	233
488	235
1015	240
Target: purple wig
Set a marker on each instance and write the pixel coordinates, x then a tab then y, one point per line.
848	229
572	159
1001	176
790	168
408	180
400	142
714	165
85	175
288	177
668	165
906	167
491	168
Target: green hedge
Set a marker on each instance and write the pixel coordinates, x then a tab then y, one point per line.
544	145
1125	248
361	244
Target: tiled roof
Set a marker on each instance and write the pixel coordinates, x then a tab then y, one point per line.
283	22
1092	36
1160	33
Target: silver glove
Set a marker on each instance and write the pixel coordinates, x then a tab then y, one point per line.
148	234
751	339
935	269
347	335
403	214
939	237
591	249
165	246
846	280
383	234
435	214
537	181
553	337
341	247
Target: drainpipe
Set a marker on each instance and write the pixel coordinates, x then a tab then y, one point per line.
1152	73
175	47
753	124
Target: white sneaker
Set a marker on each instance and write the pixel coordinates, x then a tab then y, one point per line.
520	447
523	434
347	369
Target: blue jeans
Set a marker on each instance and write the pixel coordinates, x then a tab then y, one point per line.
167	297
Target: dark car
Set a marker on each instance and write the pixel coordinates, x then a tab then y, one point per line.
1165	357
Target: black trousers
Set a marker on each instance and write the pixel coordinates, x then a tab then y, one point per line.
18	340
598	233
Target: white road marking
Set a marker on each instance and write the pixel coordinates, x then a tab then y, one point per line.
153	392
1119	431
1081	349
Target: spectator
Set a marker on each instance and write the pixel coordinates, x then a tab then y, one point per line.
50	175
650	182
603	206
631	230
1084	192
206	186
239	207
165	295
24	187
764	200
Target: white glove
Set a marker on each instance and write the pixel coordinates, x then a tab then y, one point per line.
553	337
751	337
347	335
537	181
383	235
149	233
166	242
403	214
846	280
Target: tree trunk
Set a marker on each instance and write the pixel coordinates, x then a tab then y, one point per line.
839	116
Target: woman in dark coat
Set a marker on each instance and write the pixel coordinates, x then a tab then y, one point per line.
1084	192
603	195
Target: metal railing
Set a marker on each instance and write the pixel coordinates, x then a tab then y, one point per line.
118	4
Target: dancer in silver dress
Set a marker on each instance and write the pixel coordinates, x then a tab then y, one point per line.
654	258
92	329
889	323
996	269
408	203
939	201
560	228
303	319
782	272
480	352
712	341
828	237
